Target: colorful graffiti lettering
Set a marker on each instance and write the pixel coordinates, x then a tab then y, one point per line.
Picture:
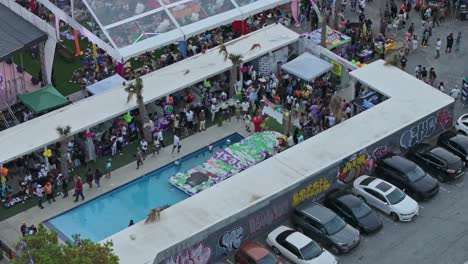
424	129
381	151
196	255
231	240
356	166
267	217
312	190
445	119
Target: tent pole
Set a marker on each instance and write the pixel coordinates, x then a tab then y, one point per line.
24	83
5	86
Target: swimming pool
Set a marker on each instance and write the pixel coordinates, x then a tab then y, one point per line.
110	213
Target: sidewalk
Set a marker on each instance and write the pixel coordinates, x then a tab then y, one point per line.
10	228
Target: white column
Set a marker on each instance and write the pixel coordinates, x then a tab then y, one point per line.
57	27
47	164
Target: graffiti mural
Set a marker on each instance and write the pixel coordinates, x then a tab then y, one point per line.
268	216
357	165
195	255
419	132
312	190
381	151
231	240
445	119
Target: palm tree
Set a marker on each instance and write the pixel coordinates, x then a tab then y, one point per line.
64	134
135	89
155	213
236	60
335	108
323	36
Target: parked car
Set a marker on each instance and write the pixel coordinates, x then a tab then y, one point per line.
297	247
325	227
253	253
437	161
455	143
407	176
354	211
386	197
462	125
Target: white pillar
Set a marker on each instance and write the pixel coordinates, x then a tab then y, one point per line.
47	164
57	27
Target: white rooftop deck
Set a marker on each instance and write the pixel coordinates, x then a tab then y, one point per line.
410	100
40	132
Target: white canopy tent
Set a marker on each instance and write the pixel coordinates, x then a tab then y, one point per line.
140	26
307	67
105	85
40	132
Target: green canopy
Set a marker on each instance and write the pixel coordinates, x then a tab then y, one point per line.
44	99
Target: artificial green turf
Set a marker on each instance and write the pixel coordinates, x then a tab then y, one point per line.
31	65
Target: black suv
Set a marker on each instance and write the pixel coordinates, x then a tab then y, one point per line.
437	161
354	211
325	227
407	176
455	143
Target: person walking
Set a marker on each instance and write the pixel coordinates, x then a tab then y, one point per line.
424	74
458	42
425	38
441	87
156	147
438	46
161	138
176	145
90	178
202	119
108	168
139	158
448	49
39	194
143	148
432	76
78	188
403	62
455	92
97	178
417	71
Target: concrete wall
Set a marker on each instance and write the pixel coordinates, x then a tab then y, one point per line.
215	243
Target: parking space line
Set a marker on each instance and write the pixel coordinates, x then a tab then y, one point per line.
443	189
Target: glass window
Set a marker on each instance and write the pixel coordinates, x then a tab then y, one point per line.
146	27
196	10
335	225
311	251
396	196
415	174
111	11
360	211
268	259
292	249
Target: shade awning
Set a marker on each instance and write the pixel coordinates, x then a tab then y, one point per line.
16	33
307	67
105	85
44	99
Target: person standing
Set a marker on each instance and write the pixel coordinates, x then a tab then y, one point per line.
441	87
403	62
455	92
65	187
177	144
49	191
108	168
458	42
202	119
89	178
78	188
139	158
156	147
438	46
418	71
39	194
97	178
424	74
143	148
160	137
189	114
448	49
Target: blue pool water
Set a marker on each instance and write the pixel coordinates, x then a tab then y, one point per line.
111	212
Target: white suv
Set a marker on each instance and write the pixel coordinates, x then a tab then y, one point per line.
386	197
462	125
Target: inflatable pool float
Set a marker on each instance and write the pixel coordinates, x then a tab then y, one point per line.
227	162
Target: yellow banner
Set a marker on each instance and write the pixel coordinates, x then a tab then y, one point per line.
95	57
336	68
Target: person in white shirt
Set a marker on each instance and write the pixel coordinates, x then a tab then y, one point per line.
160	138
189	115
441	87
331	120
245	107
438	45
214	110
177	144
114	145
455	92
143	147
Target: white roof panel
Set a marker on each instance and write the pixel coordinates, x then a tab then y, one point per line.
307	66
24	138
105	85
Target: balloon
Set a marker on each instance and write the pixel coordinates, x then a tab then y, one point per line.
47	153
353	62
4	171
128	118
